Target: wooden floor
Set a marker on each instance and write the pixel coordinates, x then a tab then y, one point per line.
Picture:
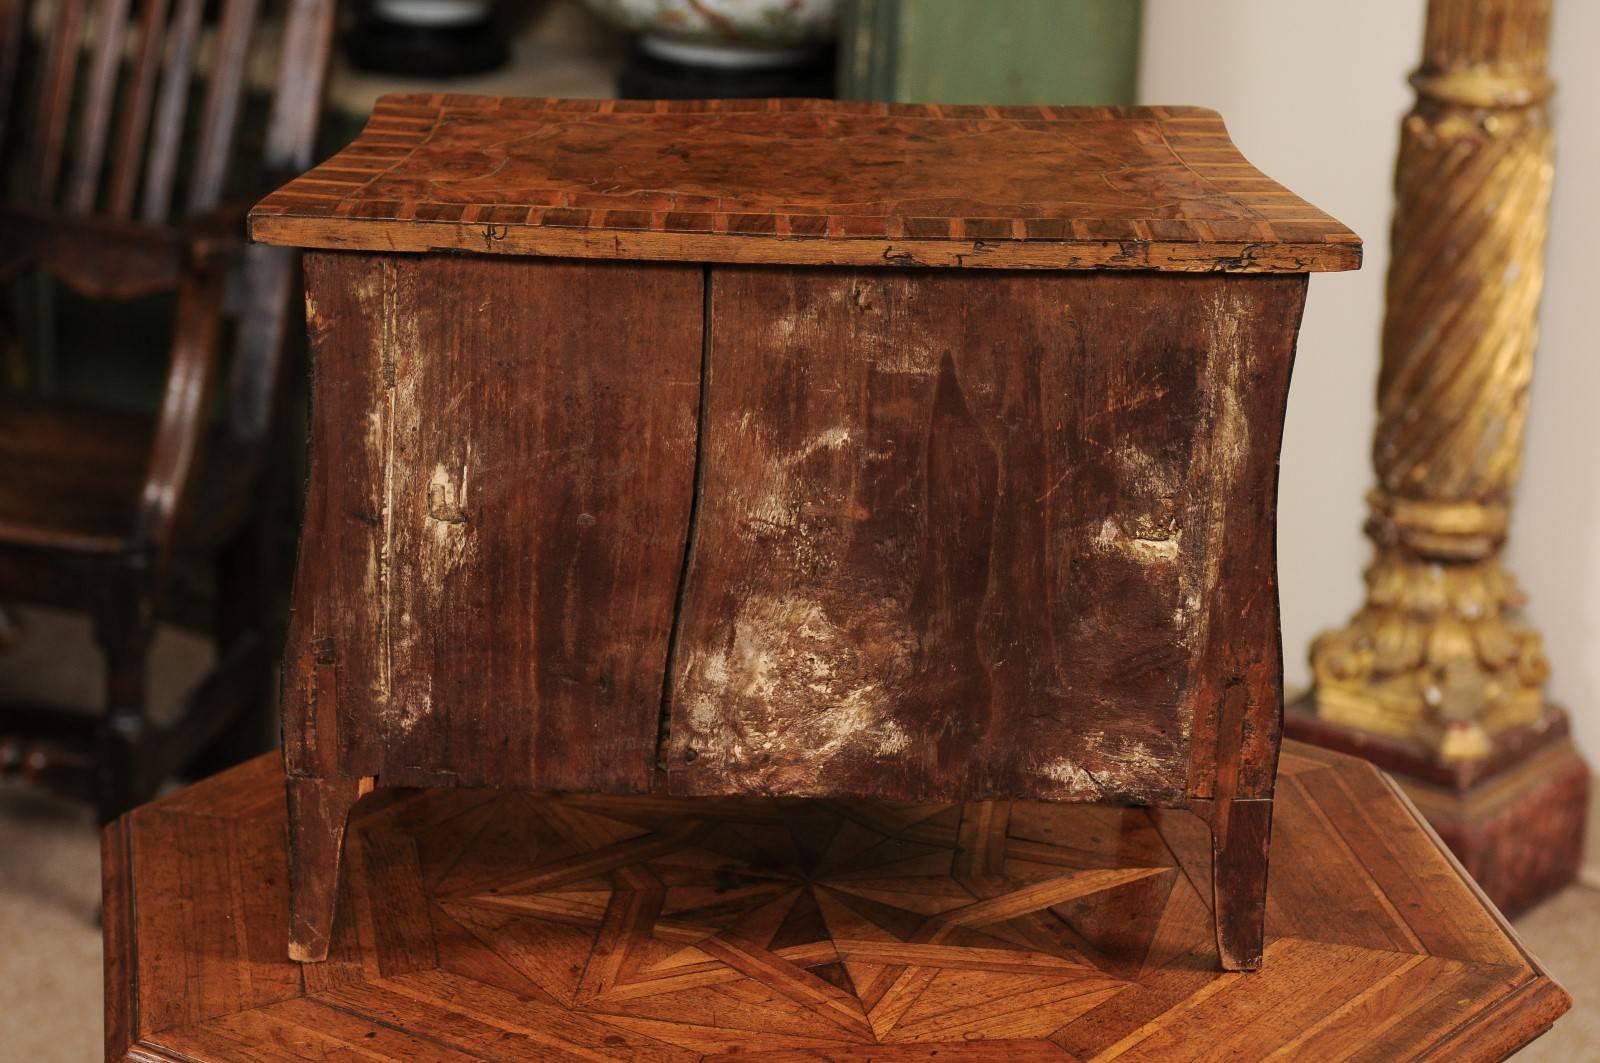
495	925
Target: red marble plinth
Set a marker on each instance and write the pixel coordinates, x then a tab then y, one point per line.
1515	819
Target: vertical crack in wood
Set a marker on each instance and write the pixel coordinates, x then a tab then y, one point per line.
664	724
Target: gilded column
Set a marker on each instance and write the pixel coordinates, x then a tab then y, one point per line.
1438	653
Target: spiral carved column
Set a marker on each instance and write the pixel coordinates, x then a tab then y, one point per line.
1437	654
1437	678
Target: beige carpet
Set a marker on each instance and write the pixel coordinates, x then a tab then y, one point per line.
50	883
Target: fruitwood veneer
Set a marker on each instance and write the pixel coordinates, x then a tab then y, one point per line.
694	478
510	926
807	181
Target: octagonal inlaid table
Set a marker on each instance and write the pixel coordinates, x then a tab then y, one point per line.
504	925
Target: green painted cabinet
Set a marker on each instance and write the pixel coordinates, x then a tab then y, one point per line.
994	51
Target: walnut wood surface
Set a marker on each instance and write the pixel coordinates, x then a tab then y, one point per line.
846	532
825	532
502	470
969	536
510	926
926	557
806	181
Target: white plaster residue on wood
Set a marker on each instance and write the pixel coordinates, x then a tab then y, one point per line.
829	439
414	703
1162	550
448	520
1187	609
795	689
409	573
1070	782
1148	530
777	504
1122	765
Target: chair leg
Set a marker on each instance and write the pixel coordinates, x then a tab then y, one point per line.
123	625
10	627
1240	832
244	611
319	810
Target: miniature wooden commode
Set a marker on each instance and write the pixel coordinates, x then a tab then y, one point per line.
797	448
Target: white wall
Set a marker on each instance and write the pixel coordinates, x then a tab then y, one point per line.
1555	547
1313	94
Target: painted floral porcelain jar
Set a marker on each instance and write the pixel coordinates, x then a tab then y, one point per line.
729	34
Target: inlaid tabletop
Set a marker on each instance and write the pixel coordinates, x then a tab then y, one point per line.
499	925
807	182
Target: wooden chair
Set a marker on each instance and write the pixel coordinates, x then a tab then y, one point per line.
122	193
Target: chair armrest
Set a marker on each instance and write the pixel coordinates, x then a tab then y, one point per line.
107	259
181	420
95	257
216	237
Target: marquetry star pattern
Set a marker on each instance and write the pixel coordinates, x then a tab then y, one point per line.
483	925
807	922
